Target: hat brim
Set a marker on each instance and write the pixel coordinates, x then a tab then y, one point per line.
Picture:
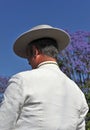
59	35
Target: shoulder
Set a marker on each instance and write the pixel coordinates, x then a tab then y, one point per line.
26	74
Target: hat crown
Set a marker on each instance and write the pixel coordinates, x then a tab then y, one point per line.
43	26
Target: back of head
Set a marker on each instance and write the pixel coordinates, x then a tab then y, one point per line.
46	46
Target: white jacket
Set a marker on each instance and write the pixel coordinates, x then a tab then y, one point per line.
43	99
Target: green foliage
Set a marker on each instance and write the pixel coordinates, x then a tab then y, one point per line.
88	120
87	95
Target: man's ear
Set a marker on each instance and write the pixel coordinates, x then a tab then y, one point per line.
35	51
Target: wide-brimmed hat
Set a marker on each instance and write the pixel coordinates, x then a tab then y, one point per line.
41	31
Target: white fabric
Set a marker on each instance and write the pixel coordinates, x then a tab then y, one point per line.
43	99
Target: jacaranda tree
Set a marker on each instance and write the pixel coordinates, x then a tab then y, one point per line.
3	85
75	59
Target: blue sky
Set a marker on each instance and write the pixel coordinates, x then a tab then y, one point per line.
18	16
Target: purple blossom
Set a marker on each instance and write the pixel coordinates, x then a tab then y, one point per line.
75	58
3	83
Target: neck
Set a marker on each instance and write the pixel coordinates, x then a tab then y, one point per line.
45	59
40	58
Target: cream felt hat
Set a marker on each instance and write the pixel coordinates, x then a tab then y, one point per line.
41	31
